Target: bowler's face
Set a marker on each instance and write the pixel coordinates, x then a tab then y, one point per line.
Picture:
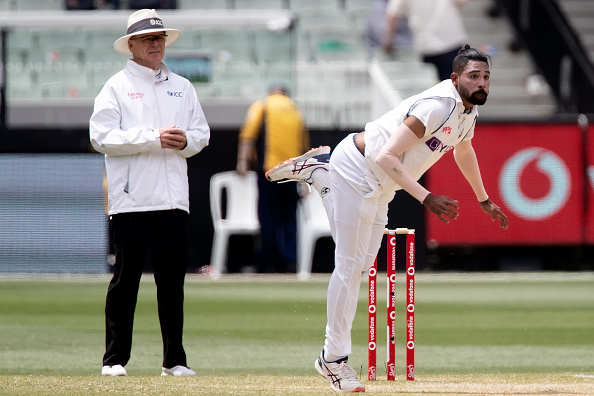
473	83
148	50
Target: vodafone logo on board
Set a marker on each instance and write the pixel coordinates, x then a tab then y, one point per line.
517	188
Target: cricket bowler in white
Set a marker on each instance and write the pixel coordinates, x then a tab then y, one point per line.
365	170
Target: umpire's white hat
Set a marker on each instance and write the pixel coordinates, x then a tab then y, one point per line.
143	22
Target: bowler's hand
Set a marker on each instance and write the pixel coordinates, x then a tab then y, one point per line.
443	207
173	138
495	212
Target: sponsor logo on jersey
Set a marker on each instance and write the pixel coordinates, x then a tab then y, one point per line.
437	145
135	95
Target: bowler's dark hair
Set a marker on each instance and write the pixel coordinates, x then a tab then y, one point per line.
467	54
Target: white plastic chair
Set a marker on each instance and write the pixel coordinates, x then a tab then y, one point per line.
241	214
312	224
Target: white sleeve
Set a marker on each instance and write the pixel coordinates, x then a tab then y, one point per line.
468	164
105	131
432	112
198	132
388	159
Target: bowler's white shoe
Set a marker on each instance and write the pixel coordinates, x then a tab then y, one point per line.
300	168
341	376
178	371
117	370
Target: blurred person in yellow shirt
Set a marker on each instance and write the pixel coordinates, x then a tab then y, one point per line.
274	131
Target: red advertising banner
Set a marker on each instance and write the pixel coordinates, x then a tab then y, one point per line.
589	186
536	173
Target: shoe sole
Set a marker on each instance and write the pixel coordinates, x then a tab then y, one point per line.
319	369
303	157
173	375
164	374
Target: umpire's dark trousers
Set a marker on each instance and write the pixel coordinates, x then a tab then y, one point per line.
163	236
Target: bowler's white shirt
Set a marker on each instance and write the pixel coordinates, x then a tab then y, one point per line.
441	110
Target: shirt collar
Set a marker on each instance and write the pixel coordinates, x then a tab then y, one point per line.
147	72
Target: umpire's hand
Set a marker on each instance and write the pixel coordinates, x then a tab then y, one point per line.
173	138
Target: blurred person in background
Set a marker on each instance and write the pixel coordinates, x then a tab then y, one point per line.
366	169
80	4
155	4
273	131
375	30
437	30
92	4
147	121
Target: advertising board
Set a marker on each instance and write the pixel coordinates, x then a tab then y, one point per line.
542	177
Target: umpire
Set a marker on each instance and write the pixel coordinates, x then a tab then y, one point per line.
147	121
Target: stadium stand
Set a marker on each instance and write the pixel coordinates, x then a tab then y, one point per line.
203	4
509	97
259	4
314	5
314	56
580	14
31	5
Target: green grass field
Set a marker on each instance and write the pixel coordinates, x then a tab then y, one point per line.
519	333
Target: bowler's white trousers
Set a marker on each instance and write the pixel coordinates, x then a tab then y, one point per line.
357	216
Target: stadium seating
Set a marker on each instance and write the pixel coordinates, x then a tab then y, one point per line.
31	5
204	4
314	5
60	46
259	4
244	60
350	5
228	45
326	41
580	14
20	84
99	46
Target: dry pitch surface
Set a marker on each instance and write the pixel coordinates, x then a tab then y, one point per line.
480	384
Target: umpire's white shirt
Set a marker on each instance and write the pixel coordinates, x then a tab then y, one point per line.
129	111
